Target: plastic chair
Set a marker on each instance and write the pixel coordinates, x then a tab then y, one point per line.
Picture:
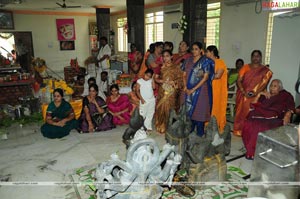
231	98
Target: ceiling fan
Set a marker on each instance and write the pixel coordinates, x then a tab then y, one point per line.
63	5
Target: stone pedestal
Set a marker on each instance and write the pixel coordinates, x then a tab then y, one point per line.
213	169
10	92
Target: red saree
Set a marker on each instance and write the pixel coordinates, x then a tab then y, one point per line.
120	105
265	114
255	80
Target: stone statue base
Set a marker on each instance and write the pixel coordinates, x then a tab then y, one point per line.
212	169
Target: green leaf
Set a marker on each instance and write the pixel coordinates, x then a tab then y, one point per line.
79	171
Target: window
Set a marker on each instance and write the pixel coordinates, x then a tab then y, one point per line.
122	35
269	38
154	28
213	24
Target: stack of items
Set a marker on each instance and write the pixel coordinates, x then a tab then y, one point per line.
124	80
51	84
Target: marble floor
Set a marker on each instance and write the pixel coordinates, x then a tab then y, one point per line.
26	156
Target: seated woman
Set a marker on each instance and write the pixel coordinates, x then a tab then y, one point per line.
133	98
93	115
272	110
119	106
59	117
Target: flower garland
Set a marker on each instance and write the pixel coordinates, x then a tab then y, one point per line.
182	24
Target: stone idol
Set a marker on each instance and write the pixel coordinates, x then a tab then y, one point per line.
145	170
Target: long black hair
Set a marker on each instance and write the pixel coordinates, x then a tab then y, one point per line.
213	49
60	91
256	51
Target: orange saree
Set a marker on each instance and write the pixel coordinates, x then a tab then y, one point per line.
220	94
255	80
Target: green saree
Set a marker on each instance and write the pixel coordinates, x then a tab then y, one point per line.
57	114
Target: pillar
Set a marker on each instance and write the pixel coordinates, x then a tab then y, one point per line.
103	23
196	14
136	23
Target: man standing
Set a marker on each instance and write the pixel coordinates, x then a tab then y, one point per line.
104	54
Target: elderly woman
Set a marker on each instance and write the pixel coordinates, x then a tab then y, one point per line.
119	106
197	80
273	109
93	116
59	117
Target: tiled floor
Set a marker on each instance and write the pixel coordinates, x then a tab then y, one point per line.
26	156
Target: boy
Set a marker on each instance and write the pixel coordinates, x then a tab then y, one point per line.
145	93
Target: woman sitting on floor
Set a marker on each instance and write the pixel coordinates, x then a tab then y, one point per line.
59	117
119	106
93	115
272	110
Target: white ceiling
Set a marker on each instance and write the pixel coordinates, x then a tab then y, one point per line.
87	6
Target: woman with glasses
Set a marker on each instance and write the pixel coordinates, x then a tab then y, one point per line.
60	117
119	106
197	80
94	116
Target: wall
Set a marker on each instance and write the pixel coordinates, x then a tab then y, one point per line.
170	34
285	60
241	31
45	43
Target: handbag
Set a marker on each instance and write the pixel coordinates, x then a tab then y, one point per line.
97	118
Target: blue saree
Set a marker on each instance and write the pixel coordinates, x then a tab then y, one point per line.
203	65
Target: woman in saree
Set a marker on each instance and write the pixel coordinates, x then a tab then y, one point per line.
253	78
273	109
60	117
135	59
93	116
155	62
183	53
144	66
119	106
197	78
219	87
170	82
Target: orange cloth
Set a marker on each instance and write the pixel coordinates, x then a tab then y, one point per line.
220	94
143	69
134	100
254	80
76	105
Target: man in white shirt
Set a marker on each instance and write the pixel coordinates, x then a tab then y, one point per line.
104	55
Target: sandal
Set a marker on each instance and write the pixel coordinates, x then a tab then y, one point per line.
249	157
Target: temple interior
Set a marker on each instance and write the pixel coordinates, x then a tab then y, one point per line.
187	98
